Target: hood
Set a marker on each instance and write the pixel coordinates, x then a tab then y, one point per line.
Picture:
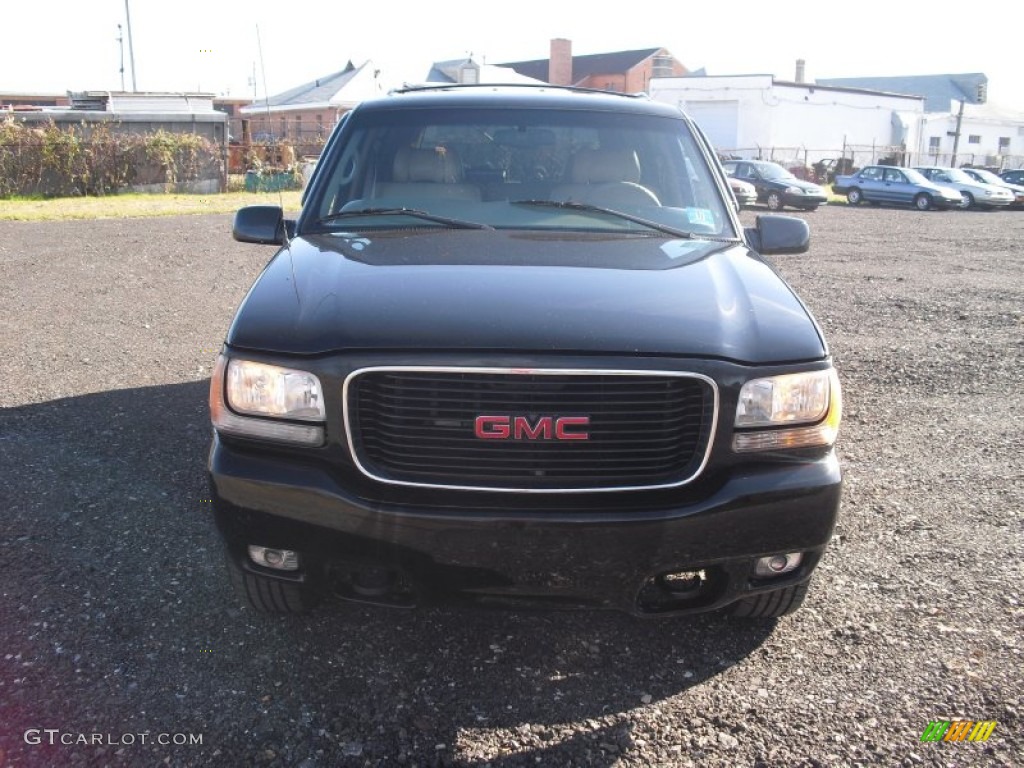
471	290
804	185
944	189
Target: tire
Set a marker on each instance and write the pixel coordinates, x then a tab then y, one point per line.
854	196
967	201
774	201
267	595
771	605
922	201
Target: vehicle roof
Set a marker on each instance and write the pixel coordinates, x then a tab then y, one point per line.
519	96
752	162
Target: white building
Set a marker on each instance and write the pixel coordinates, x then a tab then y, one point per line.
760	116
990	134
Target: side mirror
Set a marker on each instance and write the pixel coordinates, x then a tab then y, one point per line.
776	235
263	224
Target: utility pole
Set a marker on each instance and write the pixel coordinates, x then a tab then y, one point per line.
131	48
120	43
956	136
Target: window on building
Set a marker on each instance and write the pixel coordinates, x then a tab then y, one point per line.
661	66
284	127
298	127
974	139
1004	145
934	143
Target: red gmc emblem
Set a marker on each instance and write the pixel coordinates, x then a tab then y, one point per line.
521	428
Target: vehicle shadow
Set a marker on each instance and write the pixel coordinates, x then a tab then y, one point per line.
117	603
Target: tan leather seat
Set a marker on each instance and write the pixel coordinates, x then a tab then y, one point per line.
434	172
606	177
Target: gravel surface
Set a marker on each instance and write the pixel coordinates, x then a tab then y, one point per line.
118	627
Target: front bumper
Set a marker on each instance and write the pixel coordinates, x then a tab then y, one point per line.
812	200
565	555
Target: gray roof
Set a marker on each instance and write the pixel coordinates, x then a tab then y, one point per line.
585	66
938	90
445	71
318	91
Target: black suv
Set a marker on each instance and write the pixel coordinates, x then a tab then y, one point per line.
517	348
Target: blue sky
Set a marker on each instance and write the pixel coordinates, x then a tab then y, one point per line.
61	45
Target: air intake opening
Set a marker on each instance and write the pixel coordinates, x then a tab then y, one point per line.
680	590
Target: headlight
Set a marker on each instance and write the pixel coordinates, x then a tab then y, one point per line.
794	190
268	390
799	410
241	391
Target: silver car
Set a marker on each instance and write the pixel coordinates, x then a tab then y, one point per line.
987	177
974	193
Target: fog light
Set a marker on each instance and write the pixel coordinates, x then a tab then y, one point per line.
278	559
776	565
682	582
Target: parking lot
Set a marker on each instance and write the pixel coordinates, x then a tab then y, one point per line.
117	620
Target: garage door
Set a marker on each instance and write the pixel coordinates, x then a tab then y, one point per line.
718	119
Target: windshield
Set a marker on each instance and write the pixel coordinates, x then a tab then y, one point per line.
986	176
955	174
915	177
423	168
774	172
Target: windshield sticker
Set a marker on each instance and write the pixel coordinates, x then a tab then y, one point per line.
676	249
700	216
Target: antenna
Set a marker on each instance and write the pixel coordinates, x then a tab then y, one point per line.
280	191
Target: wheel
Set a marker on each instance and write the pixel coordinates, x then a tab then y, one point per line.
966	201
267	595
774	201
854	196
922	201
770	605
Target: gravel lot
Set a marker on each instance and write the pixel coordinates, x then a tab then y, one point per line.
116	617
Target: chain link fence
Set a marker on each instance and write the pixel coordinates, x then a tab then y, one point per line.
823	165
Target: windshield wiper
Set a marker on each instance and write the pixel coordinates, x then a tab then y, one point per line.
414	212
610	212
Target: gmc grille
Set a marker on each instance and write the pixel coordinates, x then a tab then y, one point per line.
416	426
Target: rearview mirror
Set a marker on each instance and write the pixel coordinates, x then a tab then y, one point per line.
263	224
775	235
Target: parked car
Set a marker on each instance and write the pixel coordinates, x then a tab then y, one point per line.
973	193
745	193
518	348
776	187
987	177
1013	177
879	184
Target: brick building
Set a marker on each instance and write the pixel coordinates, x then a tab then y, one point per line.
622	71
